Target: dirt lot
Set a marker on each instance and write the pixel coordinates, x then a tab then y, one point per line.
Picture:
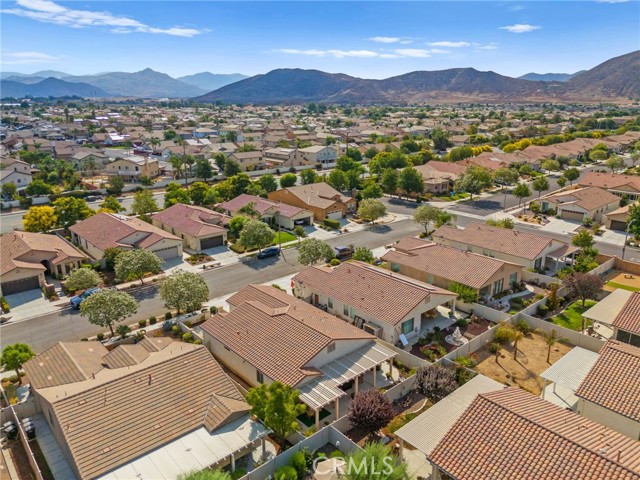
525	370
620	278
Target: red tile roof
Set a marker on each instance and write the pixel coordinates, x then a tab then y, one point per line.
628	319
193	220
261	205
611	181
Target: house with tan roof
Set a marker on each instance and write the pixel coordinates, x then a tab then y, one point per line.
199	227
440	177
27	256
526	249
320	198
609	393
110	230
615	183
275	213
270	336
248	161
133	167
620	311
511	434
318	155
581	203
379	301
441	266
617	219
121	413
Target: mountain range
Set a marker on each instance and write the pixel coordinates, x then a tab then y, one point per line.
550	77
49	87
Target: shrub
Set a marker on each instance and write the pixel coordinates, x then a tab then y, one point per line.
236	247
331	223
175	329
213	309
467	294
299	462
523	327
5	305
197	342
334	262
142	323
502	333
286	472
543	310
494	347
435	382
100	336
239	473
152	320
187	337
336	454
462	322
168	316
25	202
370	410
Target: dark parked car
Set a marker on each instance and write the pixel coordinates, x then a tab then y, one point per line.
269	252
343	253
77	300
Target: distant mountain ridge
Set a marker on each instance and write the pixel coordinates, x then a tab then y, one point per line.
211	81
549	77
41	74
50	87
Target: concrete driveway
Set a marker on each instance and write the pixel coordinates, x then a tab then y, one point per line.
29	304
559	225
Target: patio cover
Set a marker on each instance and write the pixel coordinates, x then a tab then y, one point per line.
607	309
325	389
571	369
192	452
562	251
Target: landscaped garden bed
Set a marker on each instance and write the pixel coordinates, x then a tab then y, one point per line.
199	258
571	317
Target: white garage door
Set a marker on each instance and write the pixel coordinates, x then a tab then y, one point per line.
166	253
337	215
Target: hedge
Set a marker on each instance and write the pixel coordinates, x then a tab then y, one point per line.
74	194
331	223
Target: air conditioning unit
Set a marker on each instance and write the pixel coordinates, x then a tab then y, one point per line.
373	329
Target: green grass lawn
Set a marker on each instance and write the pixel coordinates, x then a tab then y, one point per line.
572	316
283	237
623	287
451	198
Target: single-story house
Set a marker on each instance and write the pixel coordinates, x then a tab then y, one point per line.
271	336
380	302
581	203
199	227
111	230
609	393
513	434
620	310
441	266
615	183
123	413
19	179
617	220
27	256
277	213
440	177
320	198
527	249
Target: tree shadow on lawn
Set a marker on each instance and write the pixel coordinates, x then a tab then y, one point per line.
481	204
380	229
143	292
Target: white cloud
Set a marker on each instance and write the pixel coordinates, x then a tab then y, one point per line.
26	58
331	53
413	52
385	39
612	1
450	44
520	28
50	12
488	46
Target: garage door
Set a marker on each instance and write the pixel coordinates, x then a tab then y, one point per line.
337	215
569	215
165	253
618	225
18	286
303	221
211	242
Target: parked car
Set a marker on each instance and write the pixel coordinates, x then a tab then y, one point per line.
343	253
77	300
269	252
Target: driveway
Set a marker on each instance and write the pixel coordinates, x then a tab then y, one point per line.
559	225
29	304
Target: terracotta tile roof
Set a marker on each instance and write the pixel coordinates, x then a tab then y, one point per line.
511	434
610	181
262	205
17	245
614	381
456	265
385	295
124	413
451	168
108	230
589	198
628	319
503	240
320	195
193	220
277	333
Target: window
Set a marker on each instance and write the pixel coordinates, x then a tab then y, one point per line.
430	279
538	262
259	376
513	278
345	310
498	286
330	303
331	347
407	326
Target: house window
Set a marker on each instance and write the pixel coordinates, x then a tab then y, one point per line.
330	302
538	263
259	376
498	286
430	279
513	278
345	310
407	326
331	347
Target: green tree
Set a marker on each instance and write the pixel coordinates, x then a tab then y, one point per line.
109	257
39	219
467	294
308	176
38	187
231	168
474	180
562	181
614	162
521	191
249	210
14	356
268	183
203	169
583	239
143	203
70	210
597	155
221	160
312	250
425	215
136	264
174	193
236	224
633	224
371	152
10	191
337	179
371	210
440	139
184	291
299	232
389	181
116	185
363	254
445	218
82	279
112	204
146	181
256	234
571	174
410	181
198	192
288	180
108	307
375	461
540	184
373	190
550	165
278	406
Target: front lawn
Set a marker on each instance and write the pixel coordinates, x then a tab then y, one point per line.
622	286
451	198
571	317
283	237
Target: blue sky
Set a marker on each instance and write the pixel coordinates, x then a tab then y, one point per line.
365	39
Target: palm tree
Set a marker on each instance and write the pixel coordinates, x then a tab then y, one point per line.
516	336
154	141
550	338
178	165
89	163
189	161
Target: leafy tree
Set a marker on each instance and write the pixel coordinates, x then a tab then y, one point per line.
308	176
474	180
184	291
10	190
370	210
109	256
136	263
116	185
425	215
551	338
354	154
633	224
82	279
562	181
550	165
389	181
525	170
278	406
312	250
373	190
249	210
540	184
221	160
375	461
583	239
38	187
14	356
370	410
108	307
299	232
39	219
467	294
571	174
445	218
597	155
410	181
231	168
143	203
70	210
506	176
268	183
371	152
198	192
435	382
521	191
236	224
288	180
353	179
585	287
363	254
440	139
204	169
146	181
614	162
337	179
256	234
347	164
174	193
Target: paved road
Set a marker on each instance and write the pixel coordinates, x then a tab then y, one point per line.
42	332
